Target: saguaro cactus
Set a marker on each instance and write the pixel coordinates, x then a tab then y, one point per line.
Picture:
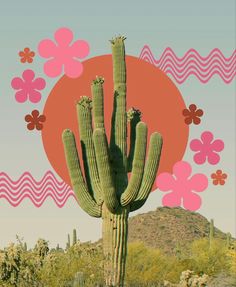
74	237
228	239
106	191
68	241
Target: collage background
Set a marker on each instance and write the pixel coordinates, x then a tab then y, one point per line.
181	25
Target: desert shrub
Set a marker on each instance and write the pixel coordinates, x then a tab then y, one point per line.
145	266
209	259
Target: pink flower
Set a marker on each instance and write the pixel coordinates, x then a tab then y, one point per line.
63	54
182	185
206	148
27	87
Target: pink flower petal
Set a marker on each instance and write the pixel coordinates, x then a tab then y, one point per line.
79	49
192	201
182	170
28	76
213	158
207	137
195	145
21	96
198	182
47	48
53	68
199	158
39	84
17	83
217	145
171	199
73	68
34	96
63	36
165	181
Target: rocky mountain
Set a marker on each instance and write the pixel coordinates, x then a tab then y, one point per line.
170	228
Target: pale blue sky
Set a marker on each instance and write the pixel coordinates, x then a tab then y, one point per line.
181	25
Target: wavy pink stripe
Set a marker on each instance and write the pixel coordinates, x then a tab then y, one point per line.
14	191
37	203
192	63
27	177
27	191
190	53
17	188
215	63
169	56
202	73
203	80
37	193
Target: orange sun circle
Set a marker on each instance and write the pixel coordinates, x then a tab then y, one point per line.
148	89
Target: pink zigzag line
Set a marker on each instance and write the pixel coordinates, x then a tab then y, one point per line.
191	53
188	72
212	61
160	64
203	80
27	176
166	58
181	73
37	192
27	191
168	50
215	63
209	62
4	183
191	63
38	204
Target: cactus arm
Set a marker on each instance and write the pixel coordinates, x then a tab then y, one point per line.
105	173
119	129
118	141
150	171
85	200
132	146
138	165
134	117
98	106
89	158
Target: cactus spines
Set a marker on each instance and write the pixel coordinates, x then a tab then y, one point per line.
105	192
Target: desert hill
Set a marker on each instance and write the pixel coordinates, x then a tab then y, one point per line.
170	228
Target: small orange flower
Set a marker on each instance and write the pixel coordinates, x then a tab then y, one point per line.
26	55
219	177
35	120
192	115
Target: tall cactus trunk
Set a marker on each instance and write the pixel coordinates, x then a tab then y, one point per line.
114	233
